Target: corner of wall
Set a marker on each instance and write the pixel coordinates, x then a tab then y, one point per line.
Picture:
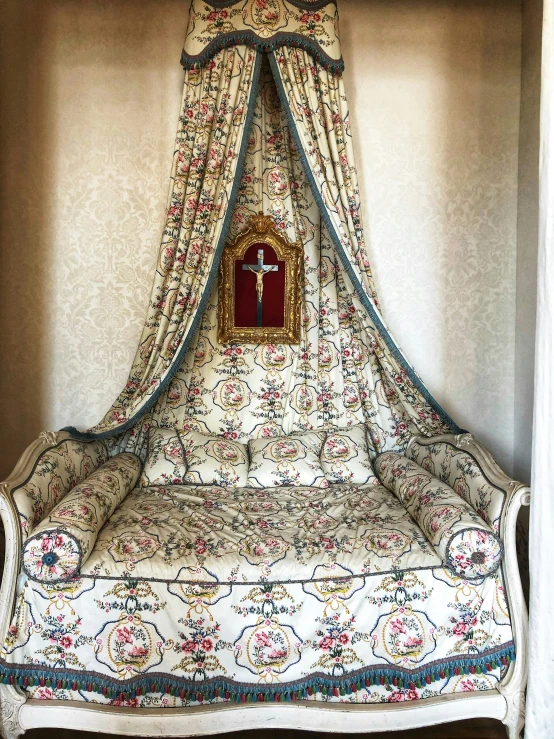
527	235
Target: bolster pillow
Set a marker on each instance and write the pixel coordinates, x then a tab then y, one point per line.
465	543
61	543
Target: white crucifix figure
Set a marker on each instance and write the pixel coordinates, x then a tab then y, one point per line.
260	270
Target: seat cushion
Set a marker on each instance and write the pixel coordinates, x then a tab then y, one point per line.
247	535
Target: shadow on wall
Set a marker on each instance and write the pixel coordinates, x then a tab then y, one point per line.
481	217
26	158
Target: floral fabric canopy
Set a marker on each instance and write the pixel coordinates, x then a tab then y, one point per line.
265	24
265	126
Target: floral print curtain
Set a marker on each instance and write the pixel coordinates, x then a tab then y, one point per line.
206	171
267	130
341	373
315	102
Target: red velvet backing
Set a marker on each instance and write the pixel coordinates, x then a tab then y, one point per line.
245	290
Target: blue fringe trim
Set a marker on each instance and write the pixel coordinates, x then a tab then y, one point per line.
178	359
251	39
360	292
154	683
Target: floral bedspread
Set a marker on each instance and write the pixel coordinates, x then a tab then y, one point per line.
202	594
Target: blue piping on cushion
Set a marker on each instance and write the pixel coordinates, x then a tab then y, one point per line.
389	341
179	357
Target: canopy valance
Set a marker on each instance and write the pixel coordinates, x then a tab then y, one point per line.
265	25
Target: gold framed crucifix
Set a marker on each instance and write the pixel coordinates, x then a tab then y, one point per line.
260	287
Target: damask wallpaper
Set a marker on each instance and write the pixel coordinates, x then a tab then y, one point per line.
434	88
90	123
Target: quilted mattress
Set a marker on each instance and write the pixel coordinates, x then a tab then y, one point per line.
202	594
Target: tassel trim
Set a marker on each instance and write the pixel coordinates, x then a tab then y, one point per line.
249	38
229	690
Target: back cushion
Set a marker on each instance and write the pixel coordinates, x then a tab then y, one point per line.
287	461
214	460
345	458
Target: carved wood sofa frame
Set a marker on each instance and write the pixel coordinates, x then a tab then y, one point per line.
507	703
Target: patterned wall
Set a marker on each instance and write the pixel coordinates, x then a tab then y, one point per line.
434	91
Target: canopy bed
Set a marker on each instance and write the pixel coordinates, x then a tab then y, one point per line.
275	523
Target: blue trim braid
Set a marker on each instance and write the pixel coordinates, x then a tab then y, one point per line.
251	39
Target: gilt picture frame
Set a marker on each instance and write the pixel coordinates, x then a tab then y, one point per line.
261	232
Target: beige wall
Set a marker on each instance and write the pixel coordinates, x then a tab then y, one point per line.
92	91
434	86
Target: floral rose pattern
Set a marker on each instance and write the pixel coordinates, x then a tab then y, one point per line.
51	556
462	539
323	593
277	533
345	457
165	459
474	553
341	374
214	460
64	539
340	635
287	461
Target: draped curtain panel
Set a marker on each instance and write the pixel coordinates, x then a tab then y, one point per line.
206	164
316	104
282	146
